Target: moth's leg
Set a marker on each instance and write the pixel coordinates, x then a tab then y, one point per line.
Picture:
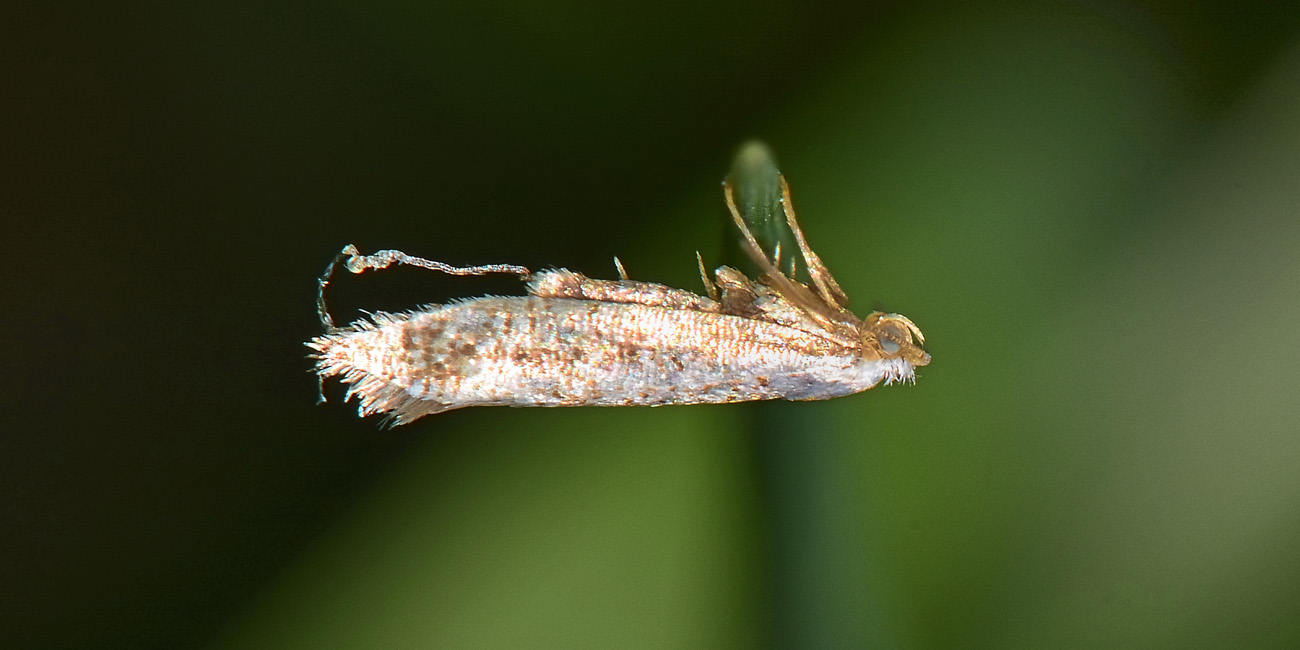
355	262
709	287
622	274
738	296
560	283
826	285
748	242
816	307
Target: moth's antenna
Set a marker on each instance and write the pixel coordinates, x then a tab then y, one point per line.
358	263
321	310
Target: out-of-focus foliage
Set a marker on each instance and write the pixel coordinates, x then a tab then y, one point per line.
1092	212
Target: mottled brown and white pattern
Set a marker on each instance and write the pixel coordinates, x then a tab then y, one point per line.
576	341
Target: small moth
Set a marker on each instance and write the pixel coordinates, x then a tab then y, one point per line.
578	341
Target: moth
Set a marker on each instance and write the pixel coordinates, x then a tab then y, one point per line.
578	341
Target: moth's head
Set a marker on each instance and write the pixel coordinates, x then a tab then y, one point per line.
892	336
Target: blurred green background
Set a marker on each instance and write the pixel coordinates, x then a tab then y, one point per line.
1089	208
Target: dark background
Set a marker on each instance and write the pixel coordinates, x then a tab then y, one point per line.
1089	208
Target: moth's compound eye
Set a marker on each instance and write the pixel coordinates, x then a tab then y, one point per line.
888	346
